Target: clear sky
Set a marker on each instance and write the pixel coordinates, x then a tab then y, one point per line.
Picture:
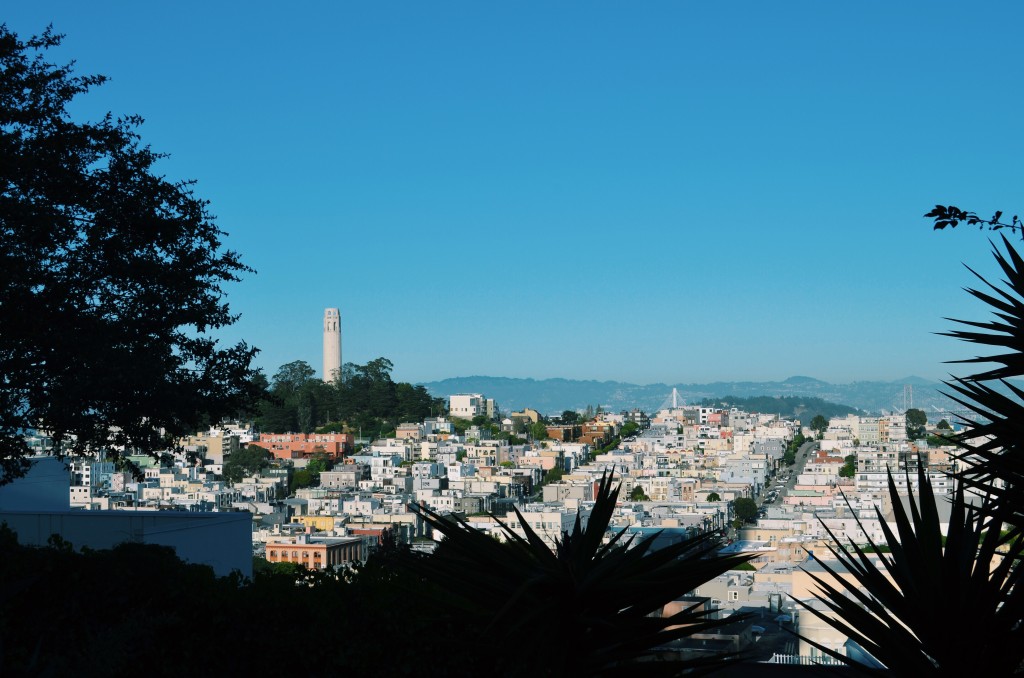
654	191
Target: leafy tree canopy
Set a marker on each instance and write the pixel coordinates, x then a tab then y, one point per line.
366	399
111	278
745	509
244	462
638	494
714	496
318	464
916	417
539	431
819	424
630	428
917	420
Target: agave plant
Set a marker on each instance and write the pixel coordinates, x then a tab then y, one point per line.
947	605
992	463
992	459
953	604
588	607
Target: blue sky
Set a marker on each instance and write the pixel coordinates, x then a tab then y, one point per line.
657	191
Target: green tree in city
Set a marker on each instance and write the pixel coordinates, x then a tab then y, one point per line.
365	400
301	478
638	494
630	428
792	447
917	421
570	417
553	475
318	464
745	509
244	462
539	430
714	496
849	468
819	425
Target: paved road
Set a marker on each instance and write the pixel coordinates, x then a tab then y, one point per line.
802	455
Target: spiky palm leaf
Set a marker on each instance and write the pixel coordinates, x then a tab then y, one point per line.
992	463
929	607
1008	331
992	460
587	601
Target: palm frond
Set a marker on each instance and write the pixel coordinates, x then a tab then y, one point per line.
601	597
1009	308
992	459
919	608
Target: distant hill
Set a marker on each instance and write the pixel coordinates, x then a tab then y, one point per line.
803	408
555	395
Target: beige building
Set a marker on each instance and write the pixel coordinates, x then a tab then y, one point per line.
212	446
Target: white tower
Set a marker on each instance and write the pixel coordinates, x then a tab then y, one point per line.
332	344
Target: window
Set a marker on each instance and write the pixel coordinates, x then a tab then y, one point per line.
734	595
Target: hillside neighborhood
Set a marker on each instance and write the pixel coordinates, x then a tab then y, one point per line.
767	487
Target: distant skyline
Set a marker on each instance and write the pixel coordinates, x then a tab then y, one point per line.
657	193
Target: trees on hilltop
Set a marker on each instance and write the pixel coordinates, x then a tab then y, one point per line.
365	398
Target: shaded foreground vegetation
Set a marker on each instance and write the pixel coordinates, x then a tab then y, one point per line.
953	604
474	607
137	608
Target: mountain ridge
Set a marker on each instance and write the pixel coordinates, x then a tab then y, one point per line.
556	394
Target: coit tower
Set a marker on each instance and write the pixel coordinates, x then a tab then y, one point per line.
332	344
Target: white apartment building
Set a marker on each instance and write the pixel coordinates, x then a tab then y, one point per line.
469	405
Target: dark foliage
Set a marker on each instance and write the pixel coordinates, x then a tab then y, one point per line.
955	606
589	597
366	399
993	459
931	605
952	216
111	278
745	509
246	461
108	613
917	421
792	448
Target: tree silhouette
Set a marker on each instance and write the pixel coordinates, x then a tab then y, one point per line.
111	278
